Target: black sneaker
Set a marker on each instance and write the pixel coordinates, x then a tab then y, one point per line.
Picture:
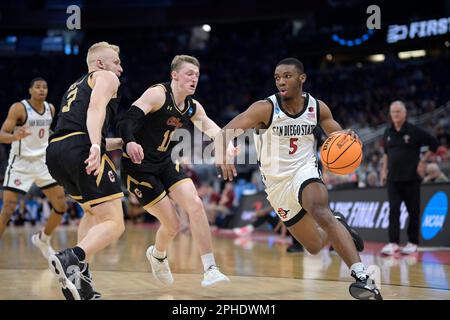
87	287
364	288
69	270
294	248
359	242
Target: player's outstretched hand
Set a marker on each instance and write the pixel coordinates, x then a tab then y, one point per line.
93	162
135	152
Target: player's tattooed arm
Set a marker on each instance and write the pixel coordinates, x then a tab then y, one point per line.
12	129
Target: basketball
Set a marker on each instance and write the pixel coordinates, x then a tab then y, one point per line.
341	154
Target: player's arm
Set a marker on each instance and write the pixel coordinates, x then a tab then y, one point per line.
105	85
203	122
150	101
256	116
53	112
329	125
16	116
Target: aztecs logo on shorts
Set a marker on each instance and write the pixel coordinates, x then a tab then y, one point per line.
111	176
17	182
282	213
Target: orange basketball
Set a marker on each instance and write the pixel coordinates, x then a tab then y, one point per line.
341	154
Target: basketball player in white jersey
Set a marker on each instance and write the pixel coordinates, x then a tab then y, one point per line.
286	149
27	128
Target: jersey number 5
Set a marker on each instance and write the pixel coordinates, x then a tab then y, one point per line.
70	97
166	140
293	145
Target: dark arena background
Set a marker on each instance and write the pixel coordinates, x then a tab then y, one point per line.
358	56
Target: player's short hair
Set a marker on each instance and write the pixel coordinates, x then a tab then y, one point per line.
180	59
293	62
36	80
98	46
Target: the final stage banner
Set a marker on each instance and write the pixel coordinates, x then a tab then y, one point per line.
367	210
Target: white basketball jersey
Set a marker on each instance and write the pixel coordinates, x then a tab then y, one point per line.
288	144
38	124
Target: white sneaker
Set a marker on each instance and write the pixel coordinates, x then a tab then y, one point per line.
244	231
409	248
44	246
213	276
160	269
390	249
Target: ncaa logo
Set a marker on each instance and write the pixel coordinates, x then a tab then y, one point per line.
434	215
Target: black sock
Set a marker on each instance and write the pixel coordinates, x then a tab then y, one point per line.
81	255
86	270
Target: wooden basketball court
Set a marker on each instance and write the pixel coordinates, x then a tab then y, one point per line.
258	266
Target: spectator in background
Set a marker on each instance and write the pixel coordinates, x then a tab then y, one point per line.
262	216
434	174
21	214
134	209
189	171
210	200
402	142
443	136
224	210
422	169
372	179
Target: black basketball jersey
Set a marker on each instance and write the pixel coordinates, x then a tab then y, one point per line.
74	105
156	129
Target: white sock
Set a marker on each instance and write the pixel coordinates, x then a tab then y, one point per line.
44	237
359	269
208	260
158	254
251	227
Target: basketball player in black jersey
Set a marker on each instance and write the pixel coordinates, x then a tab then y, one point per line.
77	159
314	225
151	175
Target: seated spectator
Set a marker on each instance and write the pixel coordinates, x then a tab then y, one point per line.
224	213
210	200
434	174
190	171
262	216
134	209
372	179
20	216
422	169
